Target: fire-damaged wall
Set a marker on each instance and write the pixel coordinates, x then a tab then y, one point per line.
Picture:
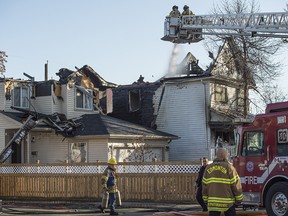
86	78
134	103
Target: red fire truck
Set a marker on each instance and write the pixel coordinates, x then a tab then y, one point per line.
262	160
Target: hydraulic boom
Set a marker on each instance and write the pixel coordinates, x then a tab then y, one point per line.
190	29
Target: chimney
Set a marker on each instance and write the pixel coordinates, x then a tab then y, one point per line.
46	71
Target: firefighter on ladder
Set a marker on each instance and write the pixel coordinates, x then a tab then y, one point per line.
175	12
222	189
187	11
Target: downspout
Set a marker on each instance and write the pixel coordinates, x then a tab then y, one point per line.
28	153
206	122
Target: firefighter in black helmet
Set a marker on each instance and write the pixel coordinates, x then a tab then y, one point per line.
186	11
175	12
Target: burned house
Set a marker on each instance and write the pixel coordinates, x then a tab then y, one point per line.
134	103
199	106
65	120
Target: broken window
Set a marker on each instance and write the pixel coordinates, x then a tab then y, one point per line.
78	152
84	98
20	97
134	100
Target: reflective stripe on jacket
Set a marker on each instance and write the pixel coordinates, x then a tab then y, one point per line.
109	180
221	186
175	13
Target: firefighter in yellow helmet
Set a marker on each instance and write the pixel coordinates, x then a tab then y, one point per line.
175	12
222	189
109	184
187	11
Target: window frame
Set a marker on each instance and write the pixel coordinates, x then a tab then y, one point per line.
86	99
247	147
75	154
282	141
221	94
20	98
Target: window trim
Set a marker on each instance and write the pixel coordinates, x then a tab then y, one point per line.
221	94
21	98
86	93
281	141
245	145
71	150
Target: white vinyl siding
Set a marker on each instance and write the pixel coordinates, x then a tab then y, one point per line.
98	150
2	96
49	148
183	112
6	123
43	104
49	104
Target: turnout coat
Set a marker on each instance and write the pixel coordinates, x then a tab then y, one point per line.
221	186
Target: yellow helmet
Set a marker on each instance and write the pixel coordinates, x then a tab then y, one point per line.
112	161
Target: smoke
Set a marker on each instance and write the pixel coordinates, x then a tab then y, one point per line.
172	68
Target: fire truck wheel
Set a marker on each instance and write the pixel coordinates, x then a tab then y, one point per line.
276	202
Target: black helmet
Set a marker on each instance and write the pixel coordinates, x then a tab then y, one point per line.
175	7
185	7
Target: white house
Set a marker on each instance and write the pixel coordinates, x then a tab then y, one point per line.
201	107
71	122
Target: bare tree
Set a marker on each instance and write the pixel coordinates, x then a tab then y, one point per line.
269	93
257	65
3	60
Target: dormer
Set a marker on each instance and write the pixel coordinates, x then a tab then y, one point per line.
15	93
84	91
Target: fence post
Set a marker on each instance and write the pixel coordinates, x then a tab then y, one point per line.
67	167
124	165
155	165
98	167
38	168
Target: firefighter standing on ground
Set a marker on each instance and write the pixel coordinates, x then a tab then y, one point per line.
199	197
109	184
221	184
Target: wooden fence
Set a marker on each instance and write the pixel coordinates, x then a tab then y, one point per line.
157	181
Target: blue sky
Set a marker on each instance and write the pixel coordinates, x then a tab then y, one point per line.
120	40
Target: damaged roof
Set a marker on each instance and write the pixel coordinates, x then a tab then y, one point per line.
187	67
99	124
66	75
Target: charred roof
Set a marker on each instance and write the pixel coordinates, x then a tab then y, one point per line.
67	75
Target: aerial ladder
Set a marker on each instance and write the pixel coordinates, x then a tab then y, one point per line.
56	121
191	29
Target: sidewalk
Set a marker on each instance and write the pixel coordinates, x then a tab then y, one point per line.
88	209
